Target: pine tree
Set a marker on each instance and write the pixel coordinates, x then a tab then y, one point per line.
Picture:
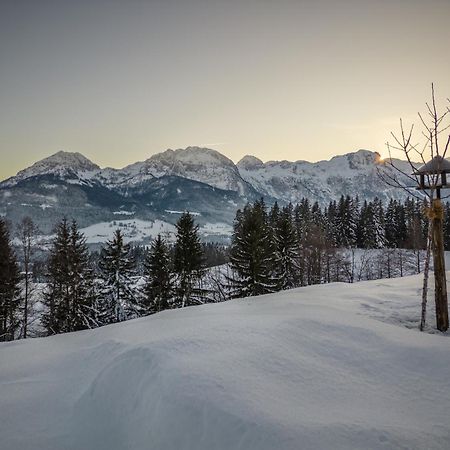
56	297
82	301
251	253
9	286
391	224
302	221
330	224
158	290
346	222
70	295
378	223
188	262
116	266
286	250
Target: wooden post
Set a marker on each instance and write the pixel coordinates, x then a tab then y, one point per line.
440	282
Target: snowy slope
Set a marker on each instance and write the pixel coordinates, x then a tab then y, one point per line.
323	367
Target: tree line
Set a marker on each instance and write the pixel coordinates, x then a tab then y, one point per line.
281	248
79	295
271	249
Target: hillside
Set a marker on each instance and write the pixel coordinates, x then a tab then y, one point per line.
334	366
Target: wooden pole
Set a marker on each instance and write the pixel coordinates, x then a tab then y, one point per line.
440	282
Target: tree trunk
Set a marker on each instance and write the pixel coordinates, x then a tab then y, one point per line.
25	312
440	282
425	279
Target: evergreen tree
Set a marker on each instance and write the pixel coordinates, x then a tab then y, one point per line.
251	252
188	262
302	218
378	223
346	222
9	286
56	298
391	226
286	250
70	295
330	223
116	267
82	296
158	289
371	232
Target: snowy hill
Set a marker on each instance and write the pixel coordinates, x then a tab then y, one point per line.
334	366
196	179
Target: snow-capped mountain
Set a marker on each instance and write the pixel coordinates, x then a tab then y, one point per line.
197	179
195	163
350	174
64	165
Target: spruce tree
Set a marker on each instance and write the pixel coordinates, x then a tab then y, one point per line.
188	262
286	250
83	312
9	286
118	301
391	224
158	289
56	296
70	295
378	217
251	253
346	222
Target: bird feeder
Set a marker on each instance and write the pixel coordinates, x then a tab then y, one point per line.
433	175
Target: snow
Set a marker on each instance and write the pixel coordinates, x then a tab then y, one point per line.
321	367
63	164
171	211
195	163
323	181
137	230
124	213
221	229
133	230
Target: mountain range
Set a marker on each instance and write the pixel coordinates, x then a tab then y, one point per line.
200	180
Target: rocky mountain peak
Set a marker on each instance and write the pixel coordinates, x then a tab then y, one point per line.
249	162
63	164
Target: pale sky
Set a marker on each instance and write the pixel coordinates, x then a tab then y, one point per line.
121	80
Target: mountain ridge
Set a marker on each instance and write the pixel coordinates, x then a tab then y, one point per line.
198	179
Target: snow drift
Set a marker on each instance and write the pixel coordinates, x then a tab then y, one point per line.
324	367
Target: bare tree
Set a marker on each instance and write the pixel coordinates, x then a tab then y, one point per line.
427	178
26	232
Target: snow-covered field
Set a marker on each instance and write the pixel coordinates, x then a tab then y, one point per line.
134	230
337	366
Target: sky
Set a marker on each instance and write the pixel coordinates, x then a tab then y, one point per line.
121	80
